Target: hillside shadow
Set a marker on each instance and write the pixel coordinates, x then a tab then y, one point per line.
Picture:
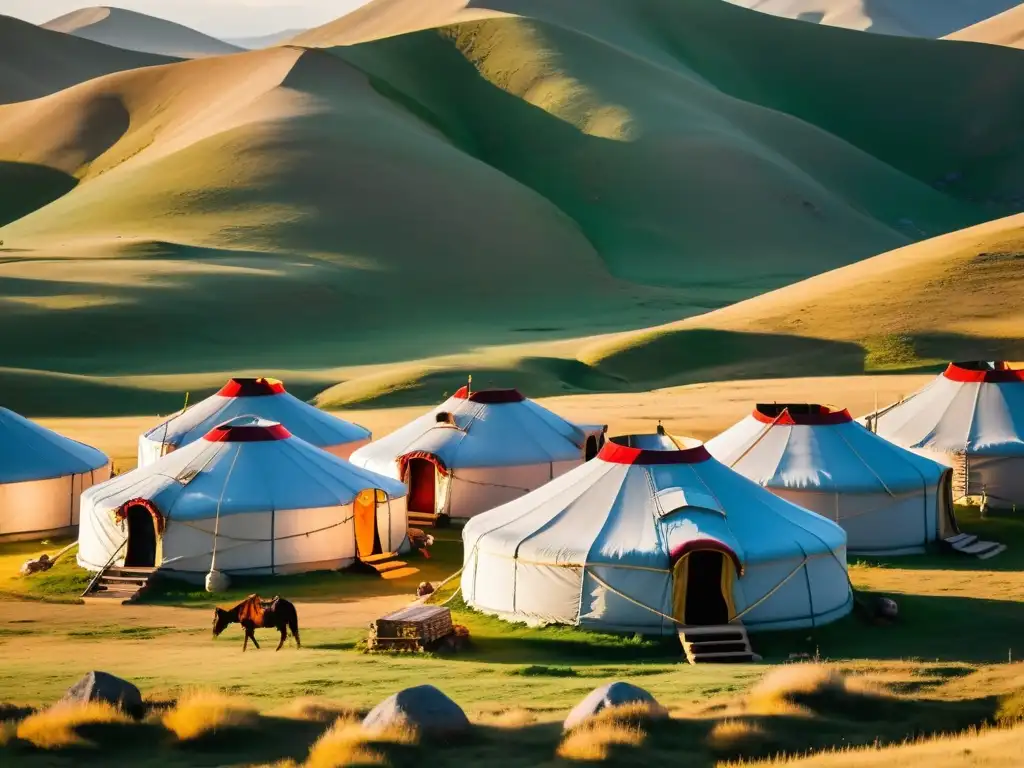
26	187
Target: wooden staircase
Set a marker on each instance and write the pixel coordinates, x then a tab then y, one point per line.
725	644
118	585
426	520
968	544
388	566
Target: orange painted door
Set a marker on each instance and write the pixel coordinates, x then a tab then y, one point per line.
365	508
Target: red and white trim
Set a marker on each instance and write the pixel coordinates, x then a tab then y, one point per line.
490	396
810	414
249	433
261	387
616	453
972	373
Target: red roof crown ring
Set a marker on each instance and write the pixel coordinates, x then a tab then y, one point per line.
242	387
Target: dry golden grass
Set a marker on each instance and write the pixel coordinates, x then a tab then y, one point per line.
516	717
347	743
782	690
56	727
733	734
990	748
615	726
318	710
204	712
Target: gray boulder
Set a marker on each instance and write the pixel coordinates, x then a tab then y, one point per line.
423	707
610	695
101	686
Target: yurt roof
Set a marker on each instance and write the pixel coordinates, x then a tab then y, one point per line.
29	451
976	407
807	446
247	464
262	397
643	501
486	428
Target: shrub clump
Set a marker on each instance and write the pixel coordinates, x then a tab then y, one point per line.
56	727
203	713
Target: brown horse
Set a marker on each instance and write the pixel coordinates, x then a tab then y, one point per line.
254	613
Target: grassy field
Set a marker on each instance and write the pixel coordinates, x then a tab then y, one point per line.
943	667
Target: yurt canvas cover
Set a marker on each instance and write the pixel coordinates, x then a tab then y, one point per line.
264	398
42	476
649	536
284	506
478	450
970	418
888	500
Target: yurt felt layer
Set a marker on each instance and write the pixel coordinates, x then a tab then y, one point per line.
484	448
263	398
970	418
276	504
612	545
42	476
889	500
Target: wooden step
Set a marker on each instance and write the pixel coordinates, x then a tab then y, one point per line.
997	550
976	548
138	580
738	657
961	538
371	559
388	565
422	519
720	644
399	573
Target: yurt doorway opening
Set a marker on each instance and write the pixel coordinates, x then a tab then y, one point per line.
700	580
141	551
421	486
365	513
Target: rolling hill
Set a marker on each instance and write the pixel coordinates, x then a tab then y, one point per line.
36	62
540	171
1005	29
265	41
913	18
139	32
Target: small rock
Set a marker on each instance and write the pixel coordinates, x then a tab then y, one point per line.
610	695
423	707
102	686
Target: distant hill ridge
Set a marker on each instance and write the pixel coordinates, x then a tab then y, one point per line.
911	18
542	171
36	62
139	32
1005	29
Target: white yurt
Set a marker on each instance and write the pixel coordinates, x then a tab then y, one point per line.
970	418
42	476
264	398
478	450
887	499
649	536
267	501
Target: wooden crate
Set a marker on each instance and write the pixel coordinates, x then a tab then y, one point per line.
412	628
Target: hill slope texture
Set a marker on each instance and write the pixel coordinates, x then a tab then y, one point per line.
139	32
535	171
1005	29
36	62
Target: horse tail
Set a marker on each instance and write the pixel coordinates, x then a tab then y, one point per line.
293	625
